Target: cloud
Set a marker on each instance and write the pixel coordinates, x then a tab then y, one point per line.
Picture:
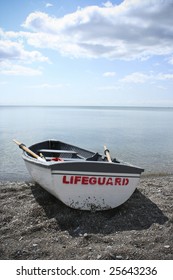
136	78
109	88
134	29
109	74
47	86
15	51
108	4
170	60
16	70
49	5
163	76
140	78
14	57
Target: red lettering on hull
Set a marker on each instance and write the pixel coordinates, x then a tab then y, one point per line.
95	180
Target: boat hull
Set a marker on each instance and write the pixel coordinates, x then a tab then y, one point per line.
93	192
86	185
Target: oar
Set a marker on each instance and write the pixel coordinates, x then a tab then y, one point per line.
23	147
107	154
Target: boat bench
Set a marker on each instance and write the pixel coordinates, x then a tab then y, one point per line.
65	159
49	153
57	151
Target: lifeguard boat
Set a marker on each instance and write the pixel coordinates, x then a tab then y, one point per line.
80	178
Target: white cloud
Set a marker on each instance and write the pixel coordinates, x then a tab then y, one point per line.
170	60
8	68
14	57
109	74
10	50
134	29
49	5
163	76
108	4
109	88
47	86
161	87
138	77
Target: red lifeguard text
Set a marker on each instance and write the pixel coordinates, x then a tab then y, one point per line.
92	180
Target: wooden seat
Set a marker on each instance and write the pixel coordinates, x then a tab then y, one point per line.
56	151
65	159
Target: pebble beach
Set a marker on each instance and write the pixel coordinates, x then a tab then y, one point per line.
35	225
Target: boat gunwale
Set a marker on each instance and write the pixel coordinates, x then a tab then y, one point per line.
60	165
80	162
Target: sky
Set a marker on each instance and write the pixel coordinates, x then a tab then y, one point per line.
86	53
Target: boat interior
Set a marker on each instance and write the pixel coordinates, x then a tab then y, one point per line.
57	150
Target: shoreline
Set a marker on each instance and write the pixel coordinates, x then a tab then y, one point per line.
145	175
35	225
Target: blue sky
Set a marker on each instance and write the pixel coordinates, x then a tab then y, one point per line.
105	53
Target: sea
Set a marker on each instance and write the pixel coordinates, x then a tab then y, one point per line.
140	136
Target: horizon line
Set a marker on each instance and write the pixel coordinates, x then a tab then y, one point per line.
90	106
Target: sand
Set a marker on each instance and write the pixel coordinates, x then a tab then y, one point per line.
35	225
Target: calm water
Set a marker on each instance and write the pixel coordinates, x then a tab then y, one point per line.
141	136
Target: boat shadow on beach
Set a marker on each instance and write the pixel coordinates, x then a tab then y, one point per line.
138	213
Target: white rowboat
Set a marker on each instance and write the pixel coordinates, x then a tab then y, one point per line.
81	179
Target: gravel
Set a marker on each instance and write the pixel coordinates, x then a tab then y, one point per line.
35	225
